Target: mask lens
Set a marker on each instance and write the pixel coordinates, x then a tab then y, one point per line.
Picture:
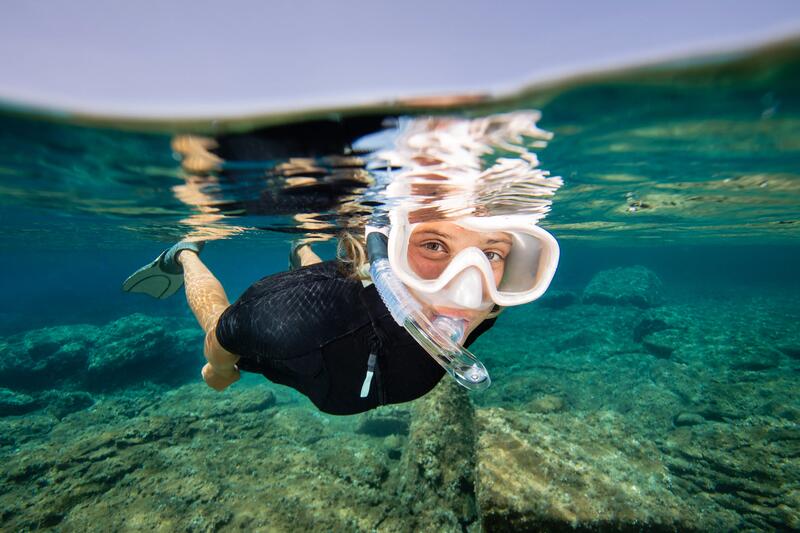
433	246
505	261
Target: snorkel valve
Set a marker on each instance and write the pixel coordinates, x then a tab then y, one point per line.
441	337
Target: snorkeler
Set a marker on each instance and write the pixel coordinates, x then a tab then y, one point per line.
327	332
403	301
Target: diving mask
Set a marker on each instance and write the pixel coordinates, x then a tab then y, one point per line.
510	260
435	310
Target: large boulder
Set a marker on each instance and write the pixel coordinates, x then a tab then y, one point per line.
38	359
636	285
131	350
139	348
562	473
436	476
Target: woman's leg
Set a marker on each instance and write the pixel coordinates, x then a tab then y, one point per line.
207	300
307	256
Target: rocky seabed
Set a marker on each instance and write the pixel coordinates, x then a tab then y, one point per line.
617	407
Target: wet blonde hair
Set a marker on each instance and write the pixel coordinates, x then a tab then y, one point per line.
351	254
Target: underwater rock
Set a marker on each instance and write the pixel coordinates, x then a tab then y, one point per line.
255	400
663	343
393	444
536	473
242	400
790	350
16	430
549	403
580	339
283	469
131	350
40	358
648	325
754	358
689	419
61	403
557	299
139	348
515	388
436	475
15	403
744	472
384	421
636	285
658	319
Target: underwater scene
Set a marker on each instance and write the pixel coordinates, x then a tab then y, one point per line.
654	386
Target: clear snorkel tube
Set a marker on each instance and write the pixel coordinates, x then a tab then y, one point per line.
440	337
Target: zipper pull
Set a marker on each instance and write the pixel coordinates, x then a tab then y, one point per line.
368	379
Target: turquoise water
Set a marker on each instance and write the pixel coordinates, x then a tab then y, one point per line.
660	397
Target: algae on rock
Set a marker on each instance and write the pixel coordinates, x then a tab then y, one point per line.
436	476
128	351
562	472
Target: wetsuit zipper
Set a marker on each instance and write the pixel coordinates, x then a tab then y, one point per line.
373	370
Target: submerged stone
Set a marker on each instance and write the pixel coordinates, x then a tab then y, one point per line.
15	403
40	358
436	474
754	358
557	299
131	350
636	285
659	319
580	339
538	473
139	348
60	403
663	343
689	419
549	403
790	350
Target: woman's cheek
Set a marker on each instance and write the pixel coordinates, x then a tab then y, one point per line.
424	268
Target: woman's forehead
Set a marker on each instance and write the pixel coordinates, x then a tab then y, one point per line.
447	229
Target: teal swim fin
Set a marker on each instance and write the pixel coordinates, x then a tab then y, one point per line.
163	276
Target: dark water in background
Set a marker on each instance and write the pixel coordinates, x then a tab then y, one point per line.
690	171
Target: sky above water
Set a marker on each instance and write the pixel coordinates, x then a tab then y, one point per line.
184	58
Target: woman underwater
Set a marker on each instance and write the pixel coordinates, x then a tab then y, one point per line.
369	328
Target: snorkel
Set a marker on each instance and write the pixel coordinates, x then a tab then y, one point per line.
439	337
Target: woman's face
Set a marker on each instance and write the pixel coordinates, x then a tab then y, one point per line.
433	245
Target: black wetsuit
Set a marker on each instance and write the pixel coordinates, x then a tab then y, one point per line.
314	329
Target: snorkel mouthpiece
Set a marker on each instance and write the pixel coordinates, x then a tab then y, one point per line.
453	328
441	337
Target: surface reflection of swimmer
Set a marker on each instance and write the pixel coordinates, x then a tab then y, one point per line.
302	169
351	345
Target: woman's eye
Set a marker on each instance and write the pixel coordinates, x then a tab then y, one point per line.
433	246
493	256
